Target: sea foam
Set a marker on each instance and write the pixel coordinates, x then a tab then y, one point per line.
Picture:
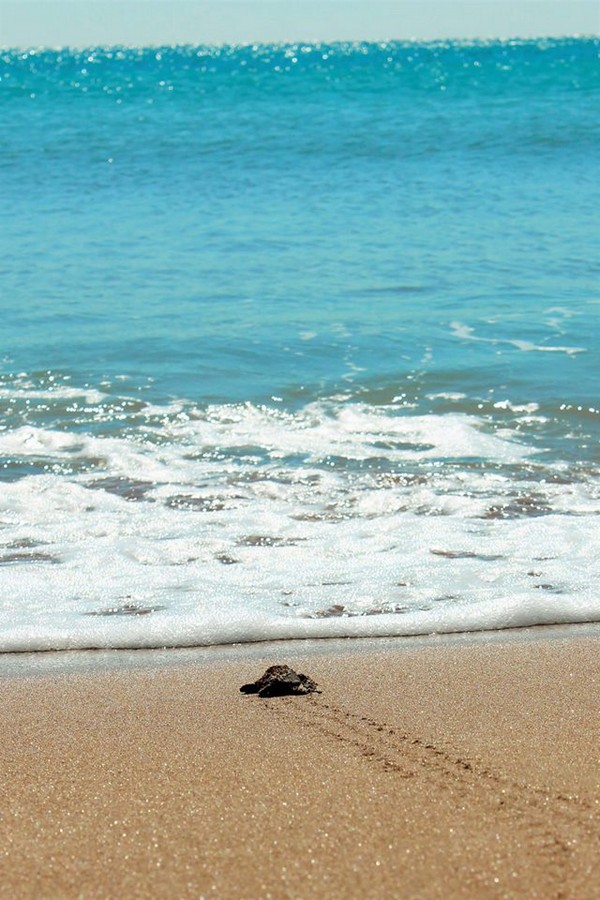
243	522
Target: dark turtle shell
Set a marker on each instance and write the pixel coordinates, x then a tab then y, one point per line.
278	681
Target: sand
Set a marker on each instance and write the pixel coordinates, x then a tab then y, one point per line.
425	768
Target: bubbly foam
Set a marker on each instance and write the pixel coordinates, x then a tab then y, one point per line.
244	522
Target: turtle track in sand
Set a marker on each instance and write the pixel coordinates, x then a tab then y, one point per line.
557	824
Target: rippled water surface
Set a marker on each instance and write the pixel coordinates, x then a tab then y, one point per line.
297	341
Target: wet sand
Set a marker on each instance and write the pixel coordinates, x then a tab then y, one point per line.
425	768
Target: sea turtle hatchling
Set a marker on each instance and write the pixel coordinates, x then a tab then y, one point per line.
278	681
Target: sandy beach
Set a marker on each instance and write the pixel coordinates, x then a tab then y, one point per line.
465	767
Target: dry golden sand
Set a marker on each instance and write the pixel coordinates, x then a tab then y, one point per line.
424	769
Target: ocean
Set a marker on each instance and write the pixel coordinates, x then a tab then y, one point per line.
298	341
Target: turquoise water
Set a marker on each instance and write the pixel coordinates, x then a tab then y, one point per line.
297	340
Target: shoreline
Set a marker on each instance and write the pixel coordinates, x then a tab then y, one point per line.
25	663
462	768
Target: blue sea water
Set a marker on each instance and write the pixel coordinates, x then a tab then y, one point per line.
298	341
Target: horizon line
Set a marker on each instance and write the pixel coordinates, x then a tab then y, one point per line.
296	42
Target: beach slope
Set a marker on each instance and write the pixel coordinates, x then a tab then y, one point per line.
465	768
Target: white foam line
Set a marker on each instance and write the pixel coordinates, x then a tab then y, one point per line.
466	333
154	631
53	394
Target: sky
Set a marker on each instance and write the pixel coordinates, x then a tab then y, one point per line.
81	23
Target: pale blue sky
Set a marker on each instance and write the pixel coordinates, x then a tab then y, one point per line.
27	23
